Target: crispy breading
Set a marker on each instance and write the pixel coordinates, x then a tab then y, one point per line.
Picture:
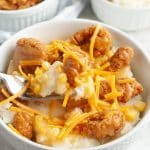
17	4
121	58
23	122
129	90
103	42
30	49
82	104
104	88
5	5
72	68
102	126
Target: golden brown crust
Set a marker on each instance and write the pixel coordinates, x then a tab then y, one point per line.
103	42
23	122
104	89
5	5
102	126
30	49
121	58
72	68
129	90
33	48
82	104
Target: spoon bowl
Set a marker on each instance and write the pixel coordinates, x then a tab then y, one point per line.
15	83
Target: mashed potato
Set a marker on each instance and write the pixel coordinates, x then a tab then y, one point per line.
54	80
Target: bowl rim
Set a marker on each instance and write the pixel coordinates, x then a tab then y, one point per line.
125	8
25	10
109	144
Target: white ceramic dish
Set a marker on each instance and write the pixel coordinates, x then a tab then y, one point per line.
62	29
128	19
14	20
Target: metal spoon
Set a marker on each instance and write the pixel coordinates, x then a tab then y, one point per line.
15	83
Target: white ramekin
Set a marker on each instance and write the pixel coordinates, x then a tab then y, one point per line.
128	19
14	20
62	29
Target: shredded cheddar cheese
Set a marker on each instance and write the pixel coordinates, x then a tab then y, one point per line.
30	62
128	80
103	67
70	53
114	93
92	42
67	95
22	73
68	128
22	106
15	109
11	98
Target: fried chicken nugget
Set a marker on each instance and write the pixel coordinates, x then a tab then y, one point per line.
103	42
104	89
5	5
82	104
129	90
30	49
18	2
72	68
23	122
103	126
121	58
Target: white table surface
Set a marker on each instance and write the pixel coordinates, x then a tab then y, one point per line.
143	142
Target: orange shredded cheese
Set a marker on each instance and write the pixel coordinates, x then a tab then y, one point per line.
31	110
97	86
104	73
11	98
22	106
128	80
30	62
15	109
72	54
114	93
92	41
68	128
72	118
22	73
67	95
103	67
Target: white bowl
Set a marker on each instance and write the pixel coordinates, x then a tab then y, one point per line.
128	19
62	29
14	20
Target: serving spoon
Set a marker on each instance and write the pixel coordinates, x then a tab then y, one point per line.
15	83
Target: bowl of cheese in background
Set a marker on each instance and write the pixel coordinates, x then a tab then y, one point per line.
128	15
14	20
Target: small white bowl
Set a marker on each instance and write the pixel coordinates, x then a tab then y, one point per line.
62	29
128	19
14	20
